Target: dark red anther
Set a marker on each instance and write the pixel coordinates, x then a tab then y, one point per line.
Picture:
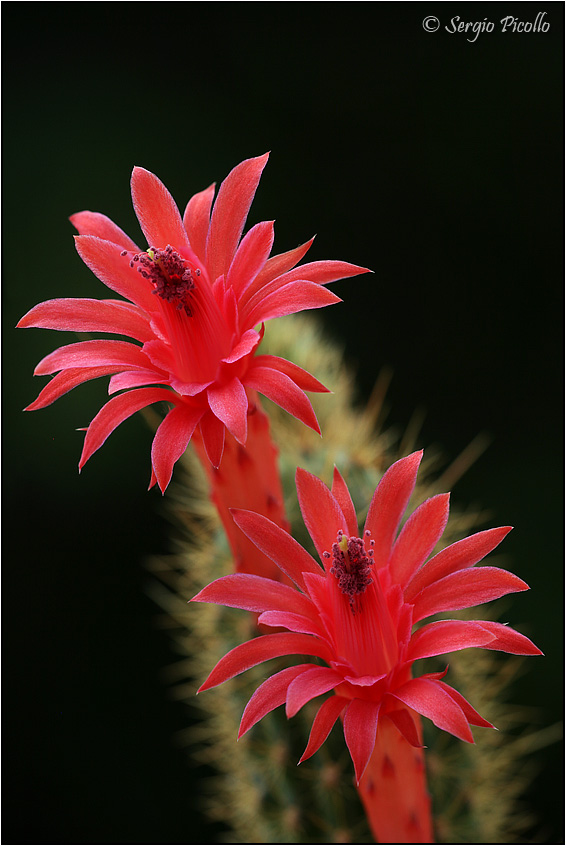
170	275
351	565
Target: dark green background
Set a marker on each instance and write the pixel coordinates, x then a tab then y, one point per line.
436	162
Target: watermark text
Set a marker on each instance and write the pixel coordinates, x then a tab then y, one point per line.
473	29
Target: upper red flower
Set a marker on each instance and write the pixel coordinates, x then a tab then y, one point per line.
358	614
196	297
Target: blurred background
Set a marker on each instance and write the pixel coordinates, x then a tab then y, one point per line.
436	161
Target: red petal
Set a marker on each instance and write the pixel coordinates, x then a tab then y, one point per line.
230	404
276	266
156	211
364	681
299	376
135	379
428	698
277	544
308	685
458	556
326	716
196	220
317	587
317	272
321	513
470	713
448	636
439	675
293	622
389	503
107	262
360	727
250	256
323	272
405	724
418	538
213	432
282	390
229	214
290	299
85	315
263	648
171	440
247	343
186	389
93	354
94	223
342	494
268	696
66	381
508	640
255	593
464	589
115	412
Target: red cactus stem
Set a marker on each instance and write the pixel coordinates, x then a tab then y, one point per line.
248	478
393	788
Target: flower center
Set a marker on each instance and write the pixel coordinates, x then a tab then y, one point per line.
172	276
352	566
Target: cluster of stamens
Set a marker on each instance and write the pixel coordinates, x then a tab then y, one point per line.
171	276
351	565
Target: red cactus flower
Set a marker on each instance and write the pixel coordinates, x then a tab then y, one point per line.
196	297
358	613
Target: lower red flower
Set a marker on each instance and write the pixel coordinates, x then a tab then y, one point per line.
358	613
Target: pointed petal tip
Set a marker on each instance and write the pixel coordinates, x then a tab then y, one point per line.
195	598
23	322
138	169
413	458
205	686
263	159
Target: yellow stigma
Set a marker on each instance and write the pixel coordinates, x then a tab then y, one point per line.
343	544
